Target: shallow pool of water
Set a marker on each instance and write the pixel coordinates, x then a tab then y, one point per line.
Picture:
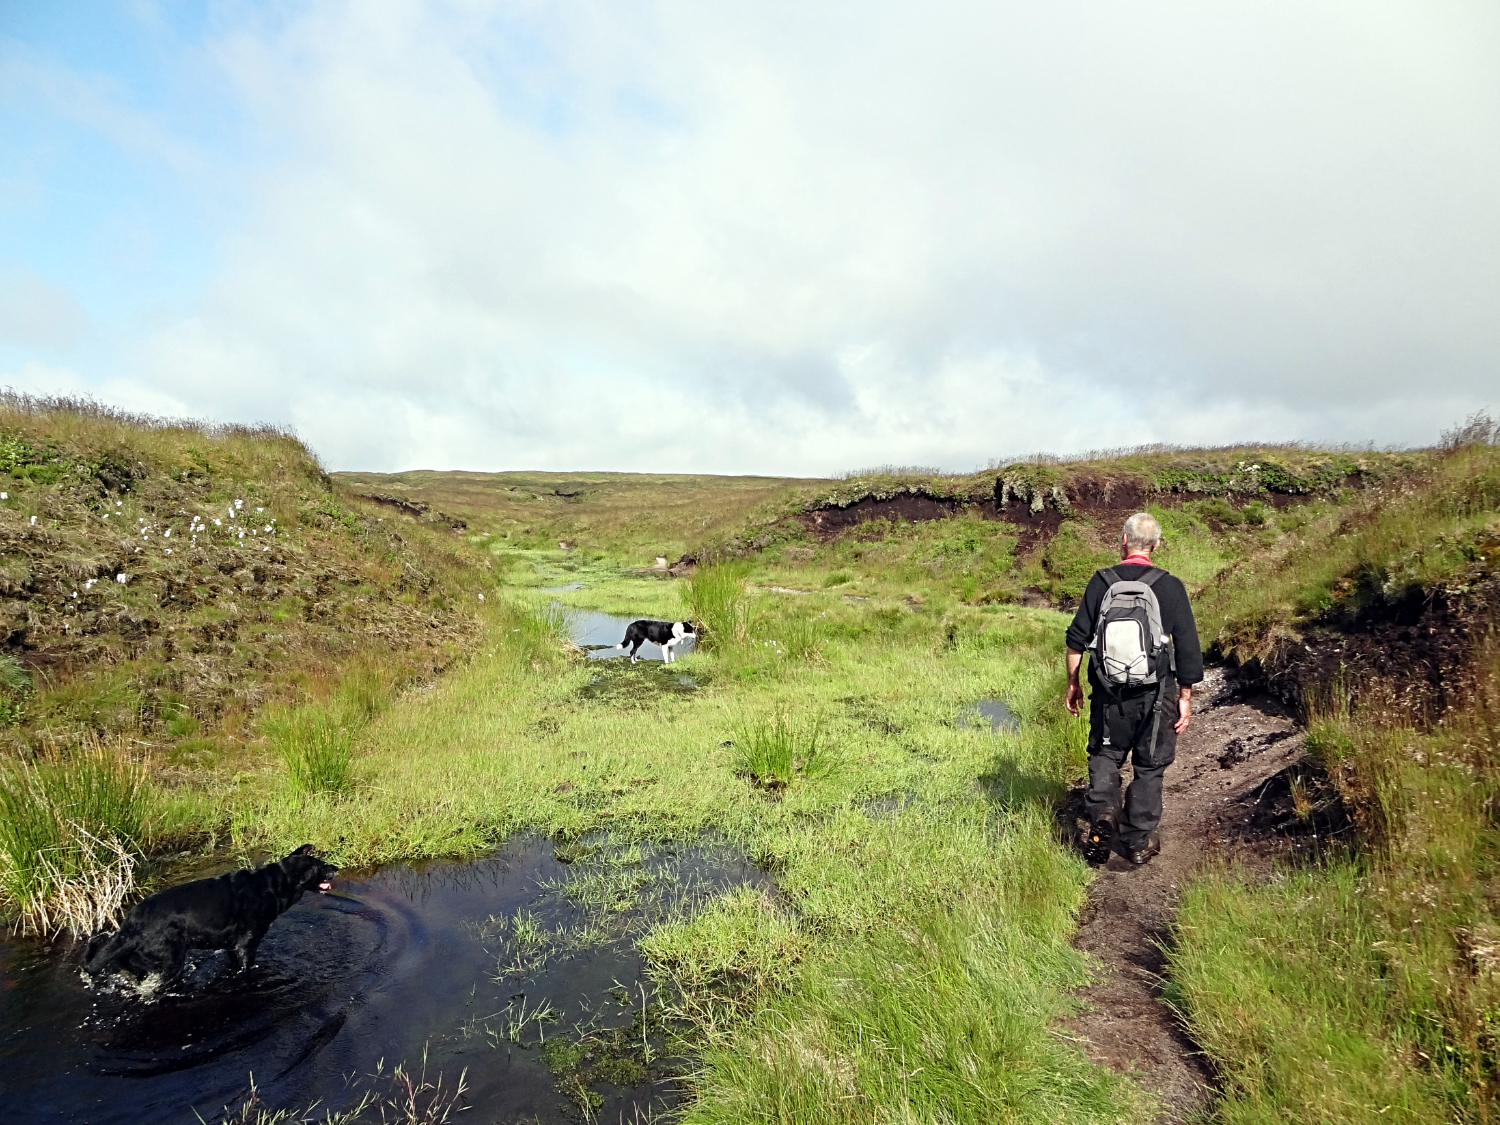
442	959
601	634
992	713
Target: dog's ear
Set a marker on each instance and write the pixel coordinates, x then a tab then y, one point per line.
305	849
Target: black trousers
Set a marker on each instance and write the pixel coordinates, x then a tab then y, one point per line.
1120	724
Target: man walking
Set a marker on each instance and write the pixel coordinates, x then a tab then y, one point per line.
1141	689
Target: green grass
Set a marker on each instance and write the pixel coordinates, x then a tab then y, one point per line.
316	746
1364	989
635	516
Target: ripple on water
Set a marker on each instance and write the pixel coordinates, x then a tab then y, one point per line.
405	959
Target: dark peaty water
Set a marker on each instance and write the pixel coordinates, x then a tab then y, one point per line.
389	965
992	713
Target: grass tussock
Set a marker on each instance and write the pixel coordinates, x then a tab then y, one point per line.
316	746
716	597
70	831
1368	989
775	752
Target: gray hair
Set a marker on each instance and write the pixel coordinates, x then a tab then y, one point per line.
1142	532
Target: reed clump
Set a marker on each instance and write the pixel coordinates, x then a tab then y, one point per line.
71	830
773	753
316	746
716	597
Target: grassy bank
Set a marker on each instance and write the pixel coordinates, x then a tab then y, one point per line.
165	585
1363	987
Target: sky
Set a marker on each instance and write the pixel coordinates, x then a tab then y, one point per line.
767	237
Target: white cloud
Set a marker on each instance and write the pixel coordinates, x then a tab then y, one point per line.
35	313
44	381
776	237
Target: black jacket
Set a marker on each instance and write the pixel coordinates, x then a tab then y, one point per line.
1176	619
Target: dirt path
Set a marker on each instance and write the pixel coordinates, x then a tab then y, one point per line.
1227	793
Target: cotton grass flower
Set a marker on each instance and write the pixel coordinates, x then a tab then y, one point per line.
122	578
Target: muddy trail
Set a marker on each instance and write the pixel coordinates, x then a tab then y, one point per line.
1229	795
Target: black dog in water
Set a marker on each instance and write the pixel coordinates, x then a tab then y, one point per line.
663	633
226	912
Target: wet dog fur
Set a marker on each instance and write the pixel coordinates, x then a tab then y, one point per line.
663	633
231	912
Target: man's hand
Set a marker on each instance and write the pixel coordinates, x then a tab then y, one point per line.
1184	709
1074	699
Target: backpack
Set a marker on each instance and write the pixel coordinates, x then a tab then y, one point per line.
1129	648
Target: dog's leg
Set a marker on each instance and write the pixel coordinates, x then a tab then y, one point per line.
244	951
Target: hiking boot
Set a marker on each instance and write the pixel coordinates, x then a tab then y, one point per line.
1146	852
1098	839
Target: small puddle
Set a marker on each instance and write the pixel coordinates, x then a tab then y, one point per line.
474	964
559	589
991	713
601	633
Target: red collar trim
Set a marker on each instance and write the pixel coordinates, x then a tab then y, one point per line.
1137	560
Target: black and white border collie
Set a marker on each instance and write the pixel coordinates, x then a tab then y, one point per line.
663	633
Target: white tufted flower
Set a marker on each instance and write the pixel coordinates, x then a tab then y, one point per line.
121	578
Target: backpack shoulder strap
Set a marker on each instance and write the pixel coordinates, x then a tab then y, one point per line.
1150	577
1109	574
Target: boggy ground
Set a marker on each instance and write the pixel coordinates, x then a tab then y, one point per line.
1222	802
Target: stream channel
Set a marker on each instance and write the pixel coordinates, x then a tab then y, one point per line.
450	960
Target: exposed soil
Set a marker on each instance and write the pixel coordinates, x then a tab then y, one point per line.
1032	527
1102	498
1240	788
1413	655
